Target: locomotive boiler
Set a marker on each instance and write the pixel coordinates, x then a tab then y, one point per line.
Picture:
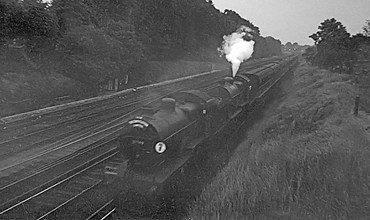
162	139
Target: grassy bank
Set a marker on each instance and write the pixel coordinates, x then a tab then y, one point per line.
29	82
309	159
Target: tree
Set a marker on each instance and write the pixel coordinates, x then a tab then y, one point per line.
366	28
27	19
333	44
96	40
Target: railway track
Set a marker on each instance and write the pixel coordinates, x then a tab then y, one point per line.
57	135
22	188
54	160
23	128
30	181
44	130
104	211
48	193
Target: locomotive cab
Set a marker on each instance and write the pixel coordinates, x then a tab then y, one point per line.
253	87
231	93
247	84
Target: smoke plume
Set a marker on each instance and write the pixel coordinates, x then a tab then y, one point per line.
236	49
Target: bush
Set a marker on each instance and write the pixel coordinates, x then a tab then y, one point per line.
98	54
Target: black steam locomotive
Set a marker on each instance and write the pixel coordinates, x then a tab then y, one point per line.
162	139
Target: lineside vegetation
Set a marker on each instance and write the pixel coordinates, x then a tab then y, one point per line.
97	40
308	160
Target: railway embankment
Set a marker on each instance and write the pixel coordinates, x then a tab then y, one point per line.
308	157
28	82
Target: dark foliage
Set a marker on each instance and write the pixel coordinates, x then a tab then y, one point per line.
334	47
366	28
310	55
28	21
266	46
101	39
359	39
333	44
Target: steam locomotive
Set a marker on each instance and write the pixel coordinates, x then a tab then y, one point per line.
163	138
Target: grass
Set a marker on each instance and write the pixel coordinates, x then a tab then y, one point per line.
308	160
24	87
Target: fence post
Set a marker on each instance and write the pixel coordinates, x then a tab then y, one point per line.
116	84
355	110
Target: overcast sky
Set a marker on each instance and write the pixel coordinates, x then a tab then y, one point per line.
295	20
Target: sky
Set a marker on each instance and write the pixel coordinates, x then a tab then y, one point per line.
295	20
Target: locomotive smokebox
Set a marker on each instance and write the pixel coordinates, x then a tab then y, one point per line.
227	81
168	104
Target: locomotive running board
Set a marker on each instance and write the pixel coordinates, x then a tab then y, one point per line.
194	143
236	113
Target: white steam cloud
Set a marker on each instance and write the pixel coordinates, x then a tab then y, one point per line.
236	49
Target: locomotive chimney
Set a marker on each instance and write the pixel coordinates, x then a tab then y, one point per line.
168	104
228	79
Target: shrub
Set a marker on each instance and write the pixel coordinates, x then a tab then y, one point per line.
97	54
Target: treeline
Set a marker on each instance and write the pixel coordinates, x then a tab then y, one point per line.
335	49
96	40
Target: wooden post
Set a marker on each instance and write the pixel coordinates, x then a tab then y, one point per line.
110	85
126	80
355	110
116	85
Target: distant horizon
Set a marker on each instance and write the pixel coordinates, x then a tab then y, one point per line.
289	21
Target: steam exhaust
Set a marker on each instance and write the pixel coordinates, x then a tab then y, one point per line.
236	49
